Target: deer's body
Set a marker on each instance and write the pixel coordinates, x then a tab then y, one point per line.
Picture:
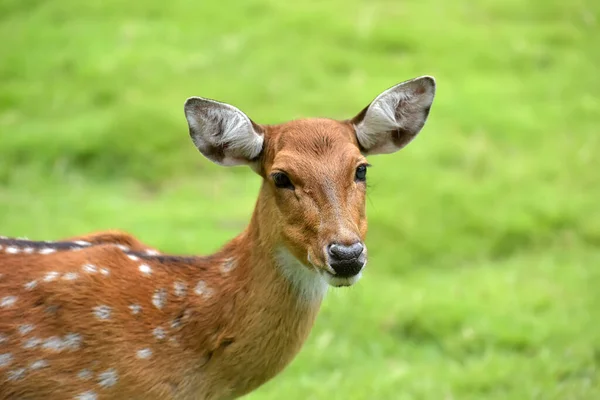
159	326
104	316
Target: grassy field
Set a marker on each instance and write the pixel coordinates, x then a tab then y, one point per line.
484	275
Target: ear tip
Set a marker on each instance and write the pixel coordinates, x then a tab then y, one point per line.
192	101
427	80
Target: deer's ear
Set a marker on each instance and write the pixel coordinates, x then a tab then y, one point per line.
223	133
395	117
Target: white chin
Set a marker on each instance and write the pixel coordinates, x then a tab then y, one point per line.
337	281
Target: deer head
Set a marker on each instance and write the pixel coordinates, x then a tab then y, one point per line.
314	171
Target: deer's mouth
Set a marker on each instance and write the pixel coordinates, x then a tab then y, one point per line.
341	281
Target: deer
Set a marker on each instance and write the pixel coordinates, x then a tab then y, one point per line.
105	316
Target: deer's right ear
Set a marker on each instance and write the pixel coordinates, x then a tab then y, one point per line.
222	133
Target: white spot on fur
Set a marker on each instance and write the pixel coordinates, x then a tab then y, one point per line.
50	276
70	276
228	266
3	338
89	395
122	247
135	309
16	374
104	271
90	268
5	359
145	269
12	250
309	284
102	312
152	252
84	374
39	364
202	290
25	328
159	298
28	250
47	250
30	285
133	257
159	333
32	342
144	353
53	343
82	243
180	288
72	341
108	378
8	301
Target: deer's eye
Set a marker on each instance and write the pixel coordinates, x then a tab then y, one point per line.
361	173
282	181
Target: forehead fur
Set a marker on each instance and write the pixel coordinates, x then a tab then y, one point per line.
310	139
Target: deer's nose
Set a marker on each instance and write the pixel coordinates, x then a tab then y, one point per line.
346	260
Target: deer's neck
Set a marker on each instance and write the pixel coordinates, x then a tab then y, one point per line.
270	261
276	304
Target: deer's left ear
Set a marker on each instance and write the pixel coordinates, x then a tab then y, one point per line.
395	117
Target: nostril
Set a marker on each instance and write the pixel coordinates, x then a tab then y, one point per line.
343	252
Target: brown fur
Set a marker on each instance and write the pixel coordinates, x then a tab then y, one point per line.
246	332
245	323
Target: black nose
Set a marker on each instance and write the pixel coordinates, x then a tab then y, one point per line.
345	260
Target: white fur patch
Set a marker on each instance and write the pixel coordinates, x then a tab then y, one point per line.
84	374
102	312
5	359
12	250
32	343
310	285
8	301
135	309
180	288
89	395
90	268
70	276
228	266
30	285
145	269
16	374
47	250
50	276
144	353
159	298
26	328
203	290
39	364
108	378
159	333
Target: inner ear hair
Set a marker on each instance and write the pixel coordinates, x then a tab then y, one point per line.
223	133
394	117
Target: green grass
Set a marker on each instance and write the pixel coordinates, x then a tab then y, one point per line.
484	276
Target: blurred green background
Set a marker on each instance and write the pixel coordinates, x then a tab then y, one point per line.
484	272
